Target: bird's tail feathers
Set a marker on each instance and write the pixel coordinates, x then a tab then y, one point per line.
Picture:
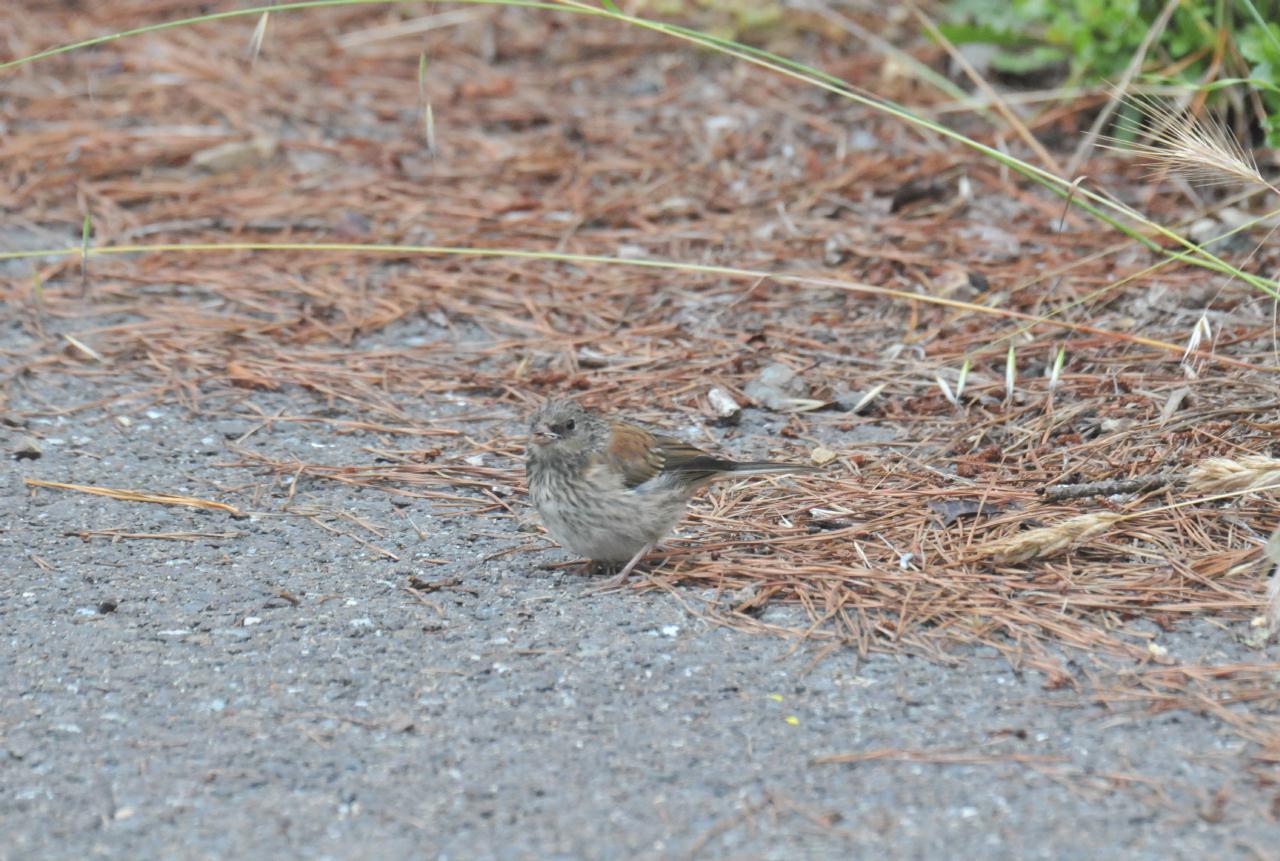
707	468
768	467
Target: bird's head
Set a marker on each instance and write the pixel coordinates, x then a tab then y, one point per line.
564	427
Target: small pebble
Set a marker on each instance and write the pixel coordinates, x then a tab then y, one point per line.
28	449
726	409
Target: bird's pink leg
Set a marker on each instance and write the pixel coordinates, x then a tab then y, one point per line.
615	582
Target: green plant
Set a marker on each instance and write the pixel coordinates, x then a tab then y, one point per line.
1203	44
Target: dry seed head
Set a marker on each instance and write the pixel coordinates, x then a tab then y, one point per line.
964	377
255	42
1203	331
946	391
1198	147
1224	475
1010	372
1049	540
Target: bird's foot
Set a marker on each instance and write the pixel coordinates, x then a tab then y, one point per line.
618	581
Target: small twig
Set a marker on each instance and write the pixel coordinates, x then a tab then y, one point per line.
425	601
1140	484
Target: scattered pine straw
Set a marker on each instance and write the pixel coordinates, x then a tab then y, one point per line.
117	535
138	496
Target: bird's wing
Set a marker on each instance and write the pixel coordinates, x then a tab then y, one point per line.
691	465
641	456
634	453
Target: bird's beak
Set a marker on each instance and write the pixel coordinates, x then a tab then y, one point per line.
543	435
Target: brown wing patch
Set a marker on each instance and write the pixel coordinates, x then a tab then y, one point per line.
635	453
692	464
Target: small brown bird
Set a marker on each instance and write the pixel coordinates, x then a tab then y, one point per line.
609	490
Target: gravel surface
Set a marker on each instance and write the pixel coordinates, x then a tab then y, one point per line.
266	687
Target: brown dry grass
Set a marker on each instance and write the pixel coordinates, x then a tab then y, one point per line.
558	134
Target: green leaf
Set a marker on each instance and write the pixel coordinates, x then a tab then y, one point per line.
1272	127
1035	59
980	34
1258	45
1272	35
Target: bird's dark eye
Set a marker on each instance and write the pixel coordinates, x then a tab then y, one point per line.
568	425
